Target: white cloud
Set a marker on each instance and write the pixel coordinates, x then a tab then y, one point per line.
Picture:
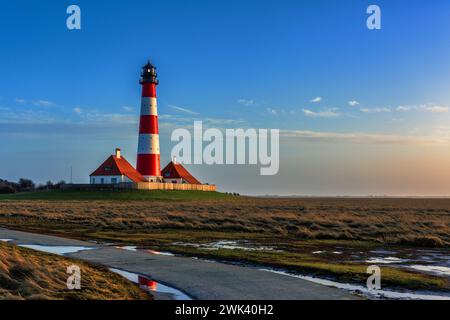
360	137
403	108
26	116
186	120
272	111
375	110
429	107
44	103
436	109
95	116
246	102
77	110
316	99
219	121
327	113
184	110
19	100
353	103
129	109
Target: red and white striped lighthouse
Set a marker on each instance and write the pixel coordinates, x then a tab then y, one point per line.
148	155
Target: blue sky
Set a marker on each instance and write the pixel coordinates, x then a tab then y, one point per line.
67	98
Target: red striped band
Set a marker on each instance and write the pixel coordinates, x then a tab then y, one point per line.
148	164
148	124
149	90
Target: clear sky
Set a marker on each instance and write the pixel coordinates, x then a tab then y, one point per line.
360	112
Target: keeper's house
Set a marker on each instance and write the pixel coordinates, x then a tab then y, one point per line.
115	169
175	173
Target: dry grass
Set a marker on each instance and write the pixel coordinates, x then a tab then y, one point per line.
413	222
296	226
28	274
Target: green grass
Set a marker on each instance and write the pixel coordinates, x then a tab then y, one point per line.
117	195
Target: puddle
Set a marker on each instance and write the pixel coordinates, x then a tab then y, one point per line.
134	248
377	294
442	271
61	250
227	244
129	248
203	259
151	285
429	261
386	260
161	253
381	251
318	252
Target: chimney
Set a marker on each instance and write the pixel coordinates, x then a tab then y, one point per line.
117	153
174	160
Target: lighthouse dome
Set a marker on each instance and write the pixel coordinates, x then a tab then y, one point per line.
149	74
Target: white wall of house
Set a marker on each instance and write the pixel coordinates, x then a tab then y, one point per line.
108	179
168	180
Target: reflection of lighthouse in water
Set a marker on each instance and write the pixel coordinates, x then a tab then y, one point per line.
148	155
147	284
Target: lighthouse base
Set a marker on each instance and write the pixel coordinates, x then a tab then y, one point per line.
154	178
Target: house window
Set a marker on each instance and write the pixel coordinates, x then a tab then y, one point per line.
174	181
93	180
102	180
113	180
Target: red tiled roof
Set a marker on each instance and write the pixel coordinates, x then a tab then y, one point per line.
114	166
177	171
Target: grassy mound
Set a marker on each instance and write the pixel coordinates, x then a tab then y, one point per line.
117	195
28	274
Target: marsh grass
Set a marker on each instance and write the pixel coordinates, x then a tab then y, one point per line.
31	275
412	222
295	226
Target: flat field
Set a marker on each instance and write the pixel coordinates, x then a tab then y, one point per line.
319	236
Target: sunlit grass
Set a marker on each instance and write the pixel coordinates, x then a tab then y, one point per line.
295	226
29	274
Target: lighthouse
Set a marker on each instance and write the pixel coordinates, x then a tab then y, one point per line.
148	155
117	172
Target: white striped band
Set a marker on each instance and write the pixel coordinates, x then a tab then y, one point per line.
148	143
149	106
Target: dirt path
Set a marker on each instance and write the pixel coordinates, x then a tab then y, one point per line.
199	279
